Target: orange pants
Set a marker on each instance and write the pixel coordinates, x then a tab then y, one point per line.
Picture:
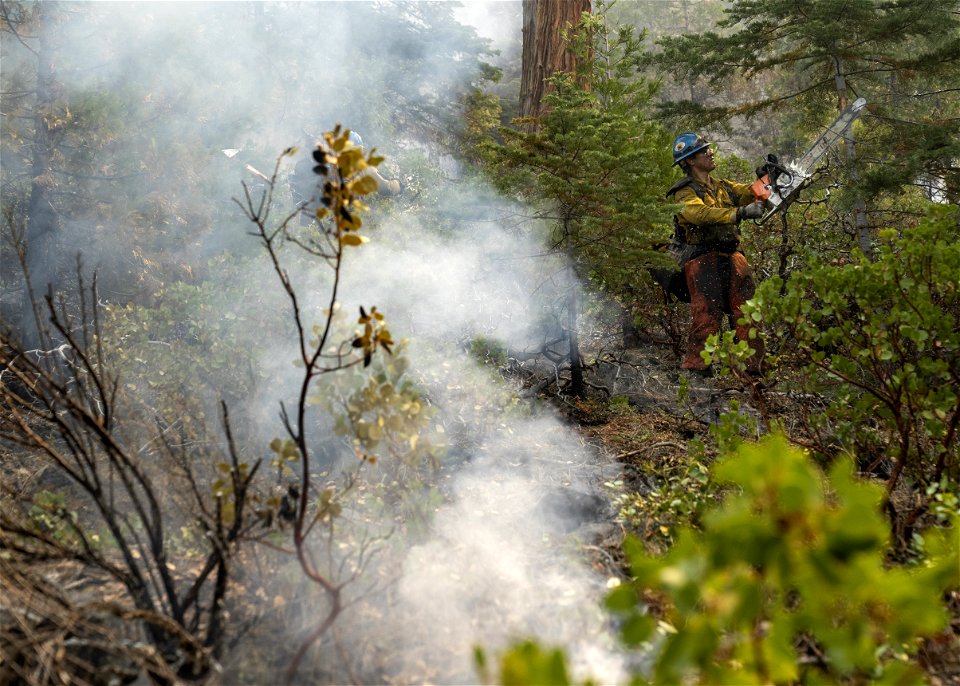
719	284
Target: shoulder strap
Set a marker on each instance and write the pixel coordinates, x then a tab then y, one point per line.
683	183
679	235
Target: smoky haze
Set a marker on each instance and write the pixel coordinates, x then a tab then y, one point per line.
163	90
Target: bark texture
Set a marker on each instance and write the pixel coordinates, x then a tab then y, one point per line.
544	50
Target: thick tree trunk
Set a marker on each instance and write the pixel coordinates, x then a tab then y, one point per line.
544	54
544	51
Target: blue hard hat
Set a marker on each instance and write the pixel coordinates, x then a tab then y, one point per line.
688	144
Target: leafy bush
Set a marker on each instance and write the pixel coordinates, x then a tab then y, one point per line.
194	341
792	561
680	497
788	582
877	344
527	663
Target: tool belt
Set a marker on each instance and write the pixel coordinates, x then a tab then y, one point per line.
691	251
711	234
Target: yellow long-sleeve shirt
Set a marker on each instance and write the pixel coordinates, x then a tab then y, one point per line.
712	218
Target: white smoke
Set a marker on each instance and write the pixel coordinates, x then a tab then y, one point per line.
496	20
499	565
500	562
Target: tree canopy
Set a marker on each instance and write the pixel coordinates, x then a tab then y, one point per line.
903	57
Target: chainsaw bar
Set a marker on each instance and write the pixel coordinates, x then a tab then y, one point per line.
784	188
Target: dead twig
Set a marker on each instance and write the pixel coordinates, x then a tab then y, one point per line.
649	448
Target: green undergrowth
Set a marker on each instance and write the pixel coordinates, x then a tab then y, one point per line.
786	581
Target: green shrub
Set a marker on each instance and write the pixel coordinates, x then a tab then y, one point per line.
681	495
194	342
793	559
875	348
527	663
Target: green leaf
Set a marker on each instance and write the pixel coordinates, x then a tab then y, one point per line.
527	664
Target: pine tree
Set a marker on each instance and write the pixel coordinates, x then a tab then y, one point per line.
595	167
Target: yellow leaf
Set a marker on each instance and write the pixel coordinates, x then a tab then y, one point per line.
352	239
666	627
336	140
364	185
351	161
351	223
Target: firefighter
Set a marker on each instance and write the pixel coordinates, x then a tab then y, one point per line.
387	188
717	274
304	184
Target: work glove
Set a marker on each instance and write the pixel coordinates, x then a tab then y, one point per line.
752	211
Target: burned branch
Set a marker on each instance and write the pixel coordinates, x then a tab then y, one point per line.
64	407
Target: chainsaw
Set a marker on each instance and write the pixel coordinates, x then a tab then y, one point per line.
779	184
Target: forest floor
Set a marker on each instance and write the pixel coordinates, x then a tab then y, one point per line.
641	417
642	412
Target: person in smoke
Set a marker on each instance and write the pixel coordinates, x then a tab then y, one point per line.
305	187
717	274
